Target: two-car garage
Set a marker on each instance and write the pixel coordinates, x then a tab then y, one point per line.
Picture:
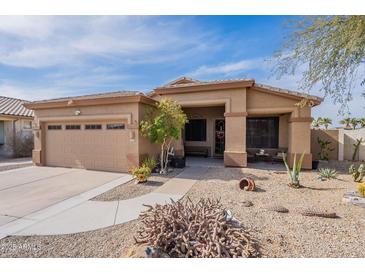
91	145
98	132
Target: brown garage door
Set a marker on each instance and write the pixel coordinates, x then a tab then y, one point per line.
89	145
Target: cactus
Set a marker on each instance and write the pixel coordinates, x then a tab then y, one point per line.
295	172
327	173
357	147
357	174
361	189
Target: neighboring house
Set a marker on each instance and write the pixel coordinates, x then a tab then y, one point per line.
15	125
228	118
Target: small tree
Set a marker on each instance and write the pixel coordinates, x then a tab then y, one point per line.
164	125
324	145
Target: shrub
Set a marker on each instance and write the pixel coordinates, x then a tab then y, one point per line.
357	173
324	149
327	173
149	162
361	189
141	174
23	146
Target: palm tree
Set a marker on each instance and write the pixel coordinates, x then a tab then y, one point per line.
362	122
316	123
354	122
346	122
325	122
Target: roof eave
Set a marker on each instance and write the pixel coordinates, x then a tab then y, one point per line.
91	102
203	87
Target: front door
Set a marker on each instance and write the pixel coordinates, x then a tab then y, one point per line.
219	136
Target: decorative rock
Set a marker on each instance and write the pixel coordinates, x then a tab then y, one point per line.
318	213
353	198
278	208
247	203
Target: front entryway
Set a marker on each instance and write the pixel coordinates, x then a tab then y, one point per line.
219	137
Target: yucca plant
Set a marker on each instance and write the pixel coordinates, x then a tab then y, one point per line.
327	173
295	171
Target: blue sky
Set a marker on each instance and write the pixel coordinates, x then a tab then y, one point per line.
46	57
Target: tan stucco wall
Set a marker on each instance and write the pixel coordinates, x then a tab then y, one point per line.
294	123
20	131
234	102
210	114
326	135
131	150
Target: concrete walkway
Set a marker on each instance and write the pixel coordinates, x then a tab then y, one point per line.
73	215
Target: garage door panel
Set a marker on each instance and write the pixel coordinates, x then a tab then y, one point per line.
99	149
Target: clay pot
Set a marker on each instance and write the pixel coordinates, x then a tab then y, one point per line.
247	184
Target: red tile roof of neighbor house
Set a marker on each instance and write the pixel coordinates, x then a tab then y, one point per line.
14	107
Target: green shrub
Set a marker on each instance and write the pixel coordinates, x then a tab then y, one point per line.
327	173
149	162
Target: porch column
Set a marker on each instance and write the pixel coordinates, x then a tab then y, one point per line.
235	143
300	140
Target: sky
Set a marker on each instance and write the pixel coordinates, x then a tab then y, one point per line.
44	57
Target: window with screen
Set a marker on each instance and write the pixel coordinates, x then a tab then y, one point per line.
262	132
196	130
93	126
73	127
54	127
115	126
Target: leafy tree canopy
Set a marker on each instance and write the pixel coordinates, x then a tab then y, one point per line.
330	49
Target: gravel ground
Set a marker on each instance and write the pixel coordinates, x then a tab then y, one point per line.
108	242
290	234
3	168
131	189
279	234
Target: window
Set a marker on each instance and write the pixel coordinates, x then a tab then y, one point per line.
73	127
262	132
27	125
196	130
54	127
97	126
115	126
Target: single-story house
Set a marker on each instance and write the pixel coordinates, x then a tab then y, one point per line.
227	118
15	125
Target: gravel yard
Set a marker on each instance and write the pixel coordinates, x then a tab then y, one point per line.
290	234
131	189
279	234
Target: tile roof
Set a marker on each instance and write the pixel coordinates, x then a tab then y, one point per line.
187	82
92	96
14	107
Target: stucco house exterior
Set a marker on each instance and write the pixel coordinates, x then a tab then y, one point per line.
228	118
15	124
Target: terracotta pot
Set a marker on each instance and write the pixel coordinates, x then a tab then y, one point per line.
247	184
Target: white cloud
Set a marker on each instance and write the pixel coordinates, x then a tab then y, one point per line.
229	68
34	93
43	41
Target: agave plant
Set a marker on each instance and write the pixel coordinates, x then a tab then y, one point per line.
295	171
327	173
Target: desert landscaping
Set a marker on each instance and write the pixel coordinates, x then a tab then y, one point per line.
278	234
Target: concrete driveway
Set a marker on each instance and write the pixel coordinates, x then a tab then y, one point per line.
27	190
